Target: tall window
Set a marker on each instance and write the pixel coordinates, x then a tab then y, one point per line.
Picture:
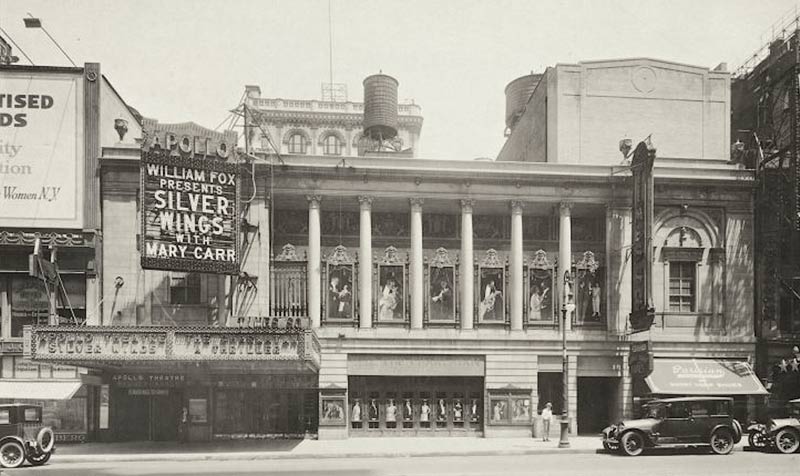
682	286
184	288
297	144
332	145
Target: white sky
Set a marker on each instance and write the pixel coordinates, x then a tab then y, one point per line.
182	60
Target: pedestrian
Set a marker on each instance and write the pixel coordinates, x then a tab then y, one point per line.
547	415
183	423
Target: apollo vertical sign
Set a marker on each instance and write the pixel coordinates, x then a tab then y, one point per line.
41	170
190	196
642	312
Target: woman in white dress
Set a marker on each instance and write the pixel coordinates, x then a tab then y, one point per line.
388	301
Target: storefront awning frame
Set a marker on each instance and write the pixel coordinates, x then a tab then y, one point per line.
712	377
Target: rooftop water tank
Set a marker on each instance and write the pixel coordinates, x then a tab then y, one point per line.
517	94
380	107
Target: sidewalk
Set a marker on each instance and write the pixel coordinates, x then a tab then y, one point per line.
308	449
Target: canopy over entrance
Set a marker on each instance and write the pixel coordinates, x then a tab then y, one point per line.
15	389
703	377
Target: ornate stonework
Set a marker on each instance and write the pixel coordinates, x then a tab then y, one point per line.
340	255
416	202
314	200
391	256
491	259
587	262
540	260
467	204
288	253
28	238
365	201
441	258
516	206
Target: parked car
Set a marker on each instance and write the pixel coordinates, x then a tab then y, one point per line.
22	436
782	434
671	422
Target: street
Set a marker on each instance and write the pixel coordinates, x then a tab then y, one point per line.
658	464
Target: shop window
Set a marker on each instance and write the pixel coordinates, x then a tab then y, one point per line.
297	144
30	302
184	288
332	145
682	277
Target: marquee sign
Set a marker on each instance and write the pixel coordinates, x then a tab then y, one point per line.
643	312
88	344
190	209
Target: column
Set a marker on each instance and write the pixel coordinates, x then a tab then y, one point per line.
467	265
314	259
264	240
564	254
618	290
416	276
517	293
365	263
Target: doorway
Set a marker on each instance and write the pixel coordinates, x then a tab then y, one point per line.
146	414
596	399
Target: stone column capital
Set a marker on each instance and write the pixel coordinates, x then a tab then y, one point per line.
467	204
365	201
416	203
516	206
314	200
565	207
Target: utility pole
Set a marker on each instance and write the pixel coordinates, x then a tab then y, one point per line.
567	306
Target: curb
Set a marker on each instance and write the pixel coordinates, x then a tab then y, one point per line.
261	455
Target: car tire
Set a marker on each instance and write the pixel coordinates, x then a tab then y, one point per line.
722	441
46	439
787	441
40	459
12	454
757	440
632	443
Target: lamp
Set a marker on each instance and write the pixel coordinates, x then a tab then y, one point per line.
625	146
34	22
567	306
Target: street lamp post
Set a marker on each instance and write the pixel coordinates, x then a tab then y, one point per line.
567	306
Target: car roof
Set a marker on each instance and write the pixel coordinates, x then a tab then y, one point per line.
690	399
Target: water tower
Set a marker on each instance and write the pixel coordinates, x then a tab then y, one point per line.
518	92
380	115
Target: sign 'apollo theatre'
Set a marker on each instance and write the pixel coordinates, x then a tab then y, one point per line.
189	205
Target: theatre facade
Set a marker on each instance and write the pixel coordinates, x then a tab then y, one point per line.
399	296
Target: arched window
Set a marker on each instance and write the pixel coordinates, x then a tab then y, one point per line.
297	144
332	145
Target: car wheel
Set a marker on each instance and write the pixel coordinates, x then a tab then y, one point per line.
40	459
632	443
610	446
757	440
12	454
46	439
787	441
722	441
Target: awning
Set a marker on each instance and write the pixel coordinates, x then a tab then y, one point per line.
42	390
703	377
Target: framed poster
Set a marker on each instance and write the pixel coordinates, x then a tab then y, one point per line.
540	290
198	410
491	288
391	293
333	410
441	288
340	273
589	291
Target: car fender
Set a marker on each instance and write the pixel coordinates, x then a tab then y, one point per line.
19	440
737	435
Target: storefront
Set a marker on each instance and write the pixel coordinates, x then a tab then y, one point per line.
192	384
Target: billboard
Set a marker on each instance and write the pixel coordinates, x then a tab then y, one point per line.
190	206
41	166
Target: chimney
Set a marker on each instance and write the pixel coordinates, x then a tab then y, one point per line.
252	92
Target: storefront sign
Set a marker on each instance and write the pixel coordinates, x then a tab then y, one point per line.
703	377
41	176
24	368
149	380
28	295
189	213
640	360
101	344
416	365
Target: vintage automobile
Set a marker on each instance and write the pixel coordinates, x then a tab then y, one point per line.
673	422
22	436
782	434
